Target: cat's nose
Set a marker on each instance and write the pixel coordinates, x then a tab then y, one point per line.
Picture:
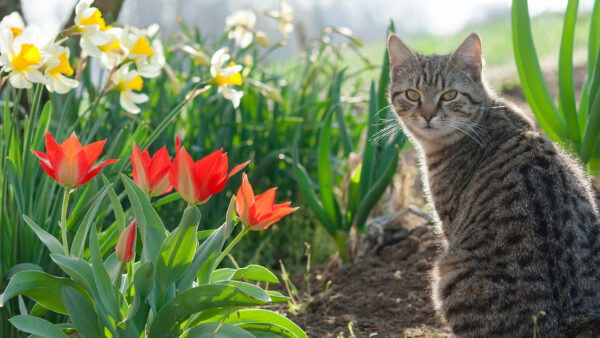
427	116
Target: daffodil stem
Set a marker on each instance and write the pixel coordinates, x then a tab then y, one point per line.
232	244
63	220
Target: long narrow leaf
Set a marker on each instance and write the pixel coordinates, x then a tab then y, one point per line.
325	175
566	90
530	74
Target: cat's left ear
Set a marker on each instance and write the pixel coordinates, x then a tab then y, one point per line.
468	56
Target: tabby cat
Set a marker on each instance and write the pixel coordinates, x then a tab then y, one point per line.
516	215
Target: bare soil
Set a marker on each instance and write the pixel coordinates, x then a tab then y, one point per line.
384	294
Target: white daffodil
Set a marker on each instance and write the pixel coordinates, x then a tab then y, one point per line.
91	25
13	22
57	68
226	76
286	15
21	57
240	26
111	53
128	82
149	58
197	55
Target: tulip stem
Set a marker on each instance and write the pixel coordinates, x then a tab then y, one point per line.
232	244
63	220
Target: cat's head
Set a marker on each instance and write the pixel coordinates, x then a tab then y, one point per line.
438	98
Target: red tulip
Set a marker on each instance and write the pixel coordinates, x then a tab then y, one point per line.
152	175
126	243
197	182
259	212
70	164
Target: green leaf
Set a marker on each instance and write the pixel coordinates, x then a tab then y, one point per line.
591	135
263	320
594	38
306	187
373	196
384	76
566	89
143	284
50	241
106	295
530	73
324	175
177	251
256	273
81	313
116	204
41	287
151	228
339	111
78	245
249	289
277	297
22	267
37	326
222	274
216	330
197	299
15	180
212	246
78	269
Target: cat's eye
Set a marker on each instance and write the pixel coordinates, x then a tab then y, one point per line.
449	95
412	95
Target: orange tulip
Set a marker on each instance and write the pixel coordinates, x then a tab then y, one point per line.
124	247
71	164
197	182
151	174
259	212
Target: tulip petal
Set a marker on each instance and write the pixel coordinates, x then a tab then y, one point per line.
264	203
51	146
93	150
273	218
45	163
140	167
180	174
71	146
237	168
95	170
244	199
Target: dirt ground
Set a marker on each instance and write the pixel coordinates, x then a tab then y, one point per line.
384	294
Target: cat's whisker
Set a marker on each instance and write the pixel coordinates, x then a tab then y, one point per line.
467	132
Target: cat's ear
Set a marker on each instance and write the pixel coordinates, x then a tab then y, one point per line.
468	56
400	55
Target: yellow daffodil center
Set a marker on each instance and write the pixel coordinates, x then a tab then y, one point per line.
95	19
27	57
16	31
110	46
235	79
135	84
142	47
63	67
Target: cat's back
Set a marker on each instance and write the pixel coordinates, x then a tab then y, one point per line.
522	234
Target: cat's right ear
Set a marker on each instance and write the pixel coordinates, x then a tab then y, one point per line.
400	55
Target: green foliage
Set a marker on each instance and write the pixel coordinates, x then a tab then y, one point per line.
380	159
577	128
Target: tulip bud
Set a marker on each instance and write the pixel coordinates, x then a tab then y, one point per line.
126	243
